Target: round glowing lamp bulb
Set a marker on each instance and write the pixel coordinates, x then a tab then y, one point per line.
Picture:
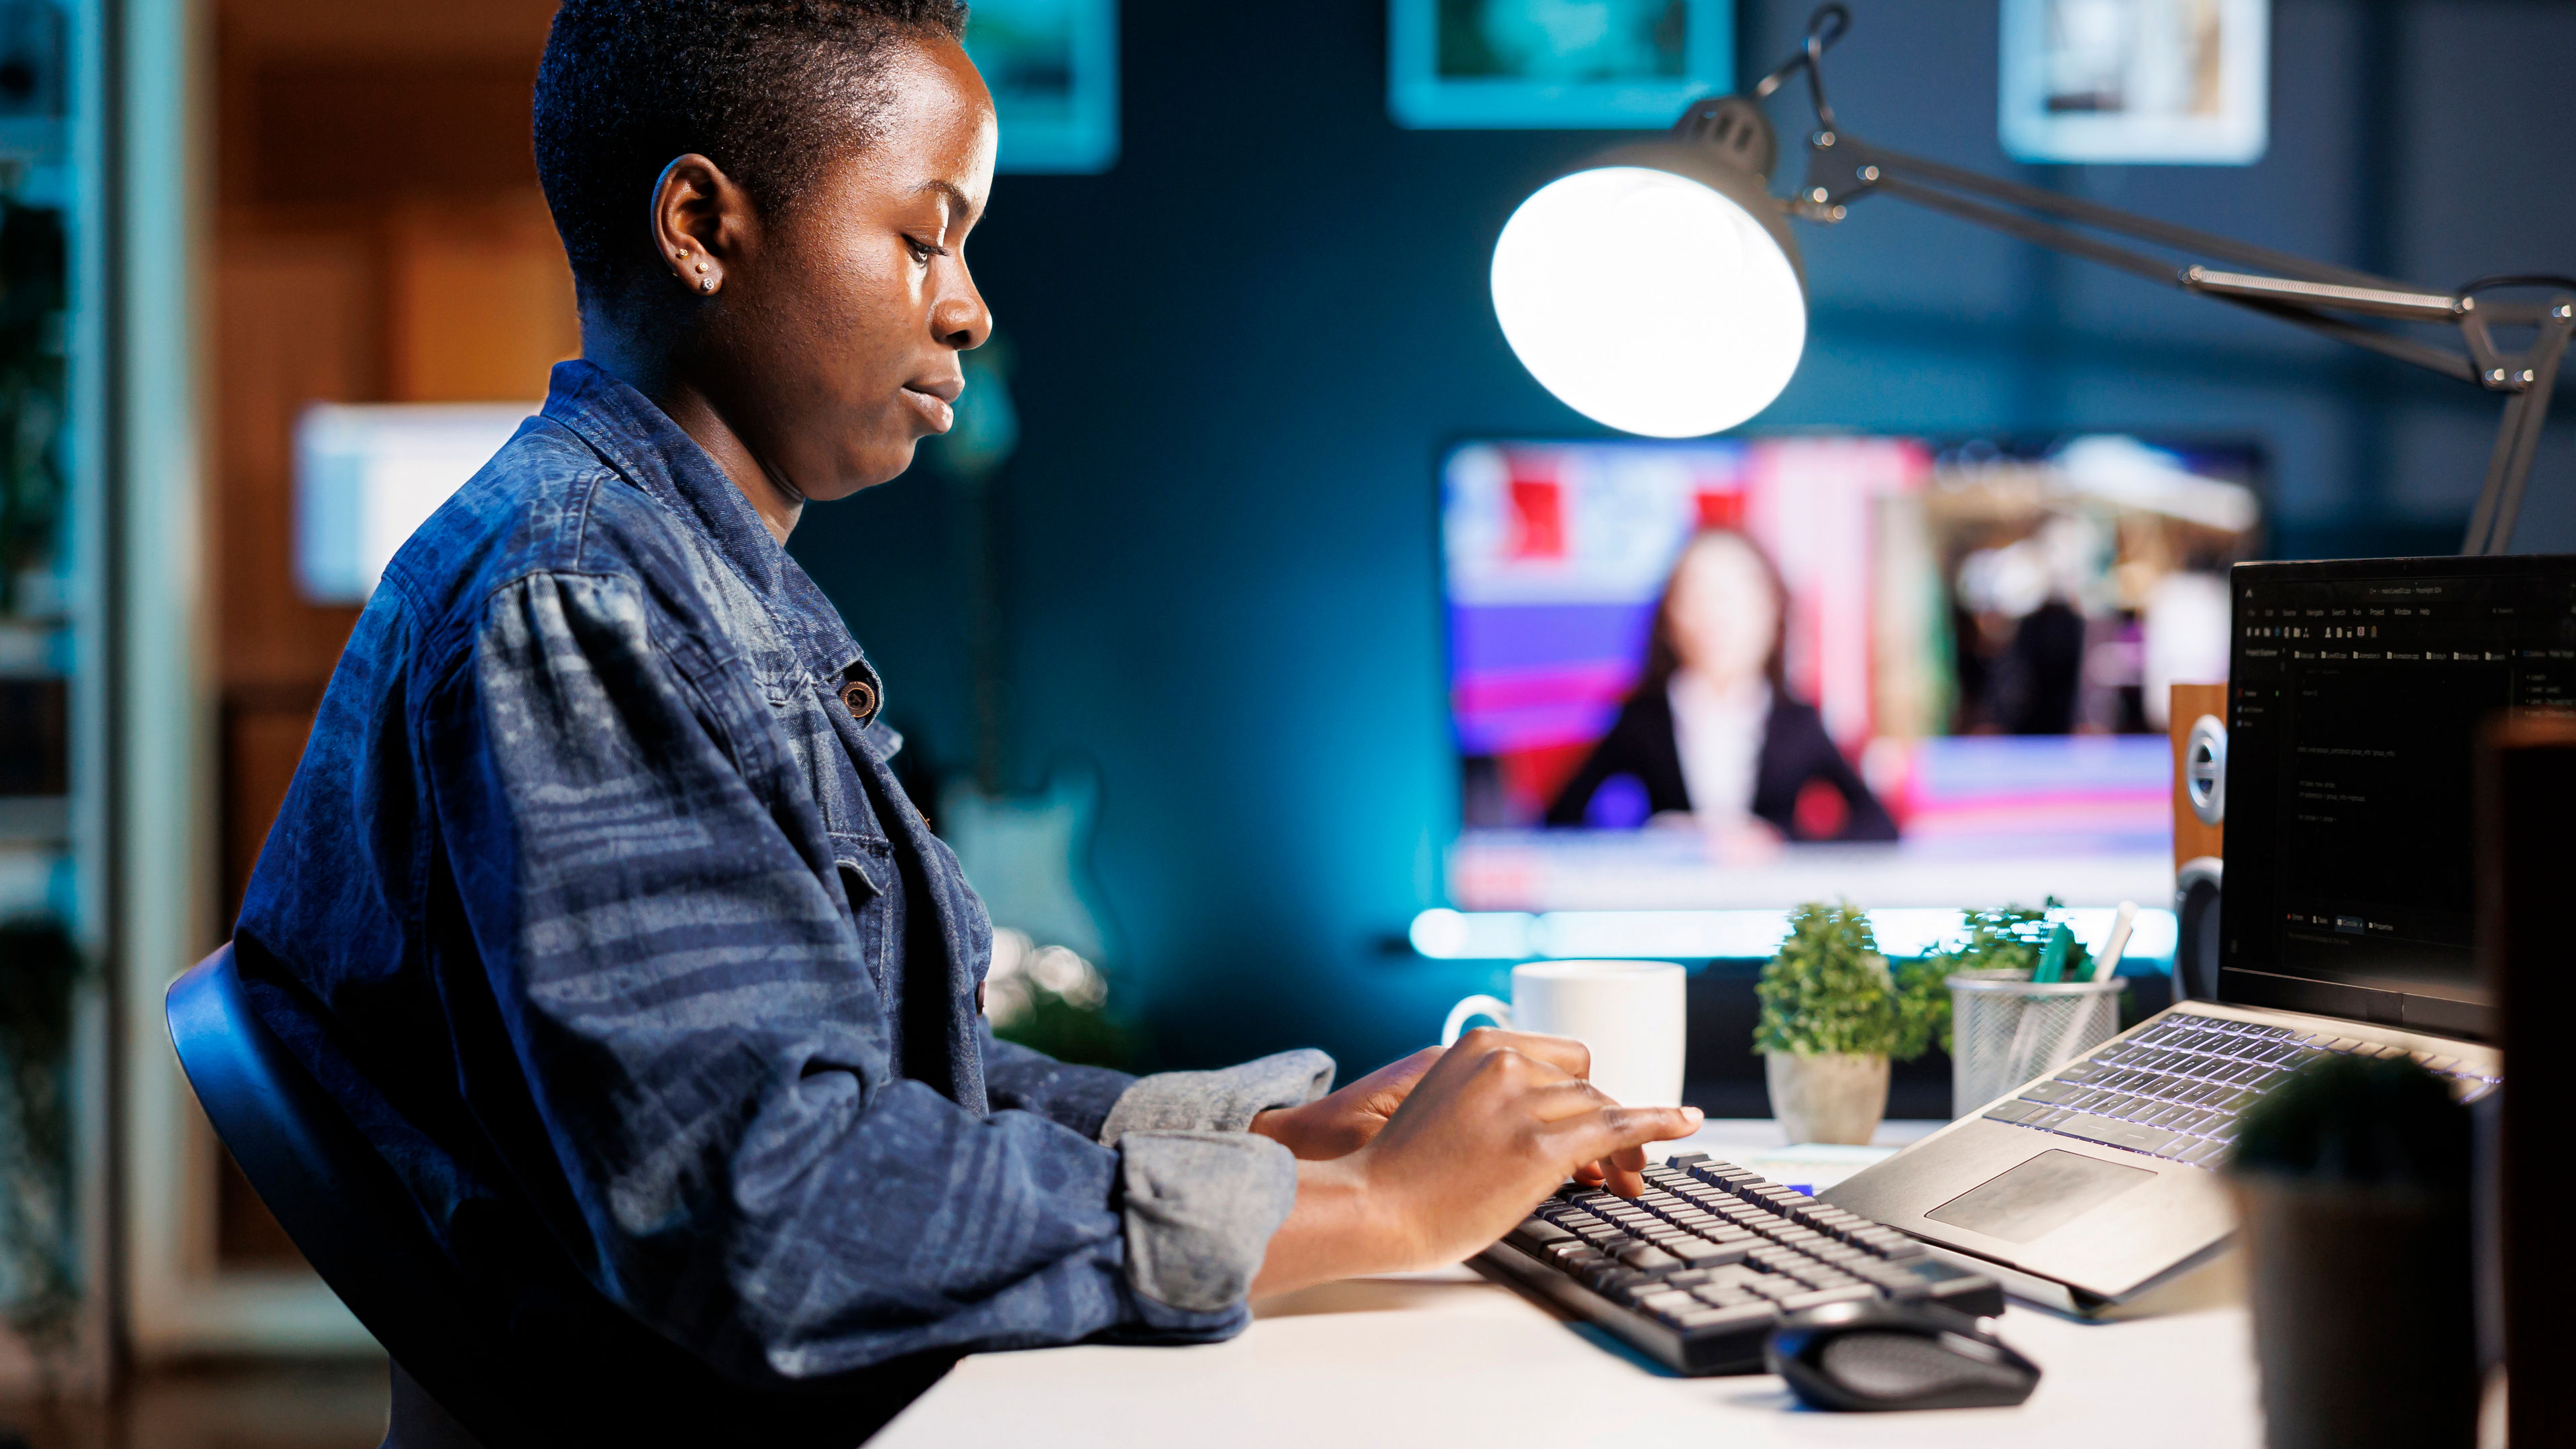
1650	300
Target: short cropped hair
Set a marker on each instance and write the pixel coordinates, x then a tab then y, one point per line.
769	90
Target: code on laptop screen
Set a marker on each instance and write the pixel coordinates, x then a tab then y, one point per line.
2356	693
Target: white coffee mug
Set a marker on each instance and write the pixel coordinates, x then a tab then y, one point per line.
1630	1013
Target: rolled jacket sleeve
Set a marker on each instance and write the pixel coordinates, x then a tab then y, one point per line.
1202	1194
1200	1209
1219	1101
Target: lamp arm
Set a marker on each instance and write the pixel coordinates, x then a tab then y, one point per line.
2307	294
1837	163
2290	301
2518	439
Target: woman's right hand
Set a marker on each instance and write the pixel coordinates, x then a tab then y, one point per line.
1498	1123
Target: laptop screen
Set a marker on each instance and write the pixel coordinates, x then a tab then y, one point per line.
2356	690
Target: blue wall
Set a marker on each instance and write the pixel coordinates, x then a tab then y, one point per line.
1241	352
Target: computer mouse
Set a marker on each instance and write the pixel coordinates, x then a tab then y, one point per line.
1875	1355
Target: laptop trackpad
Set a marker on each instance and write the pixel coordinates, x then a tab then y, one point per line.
2038	1197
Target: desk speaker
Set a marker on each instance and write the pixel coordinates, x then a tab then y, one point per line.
2199	723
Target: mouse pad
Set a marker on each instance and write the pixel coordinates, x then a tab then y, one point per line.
2038	1197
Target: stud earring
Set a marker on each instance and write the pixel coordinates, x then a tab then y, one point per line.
706	284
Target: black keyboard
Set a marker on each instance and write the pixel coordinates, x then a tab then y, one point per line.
2176	1088
1695	1271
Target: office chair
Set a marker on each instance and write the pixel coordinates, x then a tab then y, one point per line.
537	1362
347	1212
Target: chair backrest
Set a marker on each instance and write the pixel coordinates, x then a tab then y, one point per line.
542	1362
336	1198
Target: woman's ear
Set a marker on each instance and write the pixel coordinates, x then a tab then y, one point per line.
702	221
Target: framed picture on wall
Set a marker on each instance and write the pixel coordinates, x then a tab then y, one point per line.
1053	69
1569	64
2183	82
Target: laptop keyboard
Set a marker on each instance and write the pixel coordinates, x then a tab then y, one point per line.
2177	1089
1697	1269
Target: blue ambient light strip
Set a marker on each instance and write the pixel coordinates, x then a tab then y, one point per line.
1448	935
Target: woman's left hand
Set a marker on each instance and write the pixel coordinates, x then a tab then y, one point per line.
1344	1122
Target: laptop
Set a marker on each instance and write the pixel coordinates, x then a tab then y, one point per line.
2355	691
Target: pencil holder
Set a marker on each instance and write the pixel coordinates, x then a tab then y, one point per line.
2006	1029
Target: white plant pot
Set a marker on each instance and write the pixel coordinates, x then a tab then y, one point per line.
1828	1097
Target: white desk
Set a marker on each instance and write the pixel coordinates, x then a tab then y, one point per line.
1450	1359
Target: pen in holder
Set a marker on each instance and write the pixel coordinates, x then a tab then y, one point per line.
2007	1028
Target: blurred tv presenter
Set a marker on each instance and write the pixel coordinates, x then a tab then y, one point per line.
1711	730
597	907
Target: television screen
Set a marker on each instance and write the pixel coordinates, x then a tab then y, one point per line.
1908	671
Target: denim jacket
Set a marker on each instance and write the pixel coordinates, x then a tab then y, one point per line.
596	905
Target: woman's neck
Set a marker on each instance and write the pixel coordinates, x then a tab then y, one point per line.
654	373
1729	689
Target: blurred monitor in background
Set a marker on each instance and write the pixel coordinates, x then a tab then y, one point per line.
1671	661
367	476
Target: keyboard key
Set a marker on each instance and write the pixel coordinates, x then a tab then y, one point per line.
1719	1320
2051	1092
1647	1258
2080	1071
1607	1278
2111	1133
1702	1254
1823	1296
1668	1301
1537	1233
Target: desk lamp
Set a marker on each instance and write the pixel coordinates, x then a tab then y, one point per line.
1657	289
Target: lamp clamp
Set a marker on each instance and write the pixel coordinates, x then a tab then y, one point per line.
1841	169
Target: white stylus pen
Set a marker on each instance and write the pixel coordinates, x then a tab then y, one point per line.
2109	960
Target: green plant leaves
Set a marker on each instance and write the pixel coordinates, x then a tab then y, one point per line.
1827	988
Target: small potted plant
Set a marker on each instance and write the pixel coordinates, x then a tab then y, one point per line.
1833	1014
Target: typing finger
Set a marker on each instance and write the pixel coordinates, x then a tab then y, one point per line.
1610	1132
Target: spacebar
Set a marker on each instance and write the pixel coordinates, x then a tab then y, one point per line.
2112	1133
